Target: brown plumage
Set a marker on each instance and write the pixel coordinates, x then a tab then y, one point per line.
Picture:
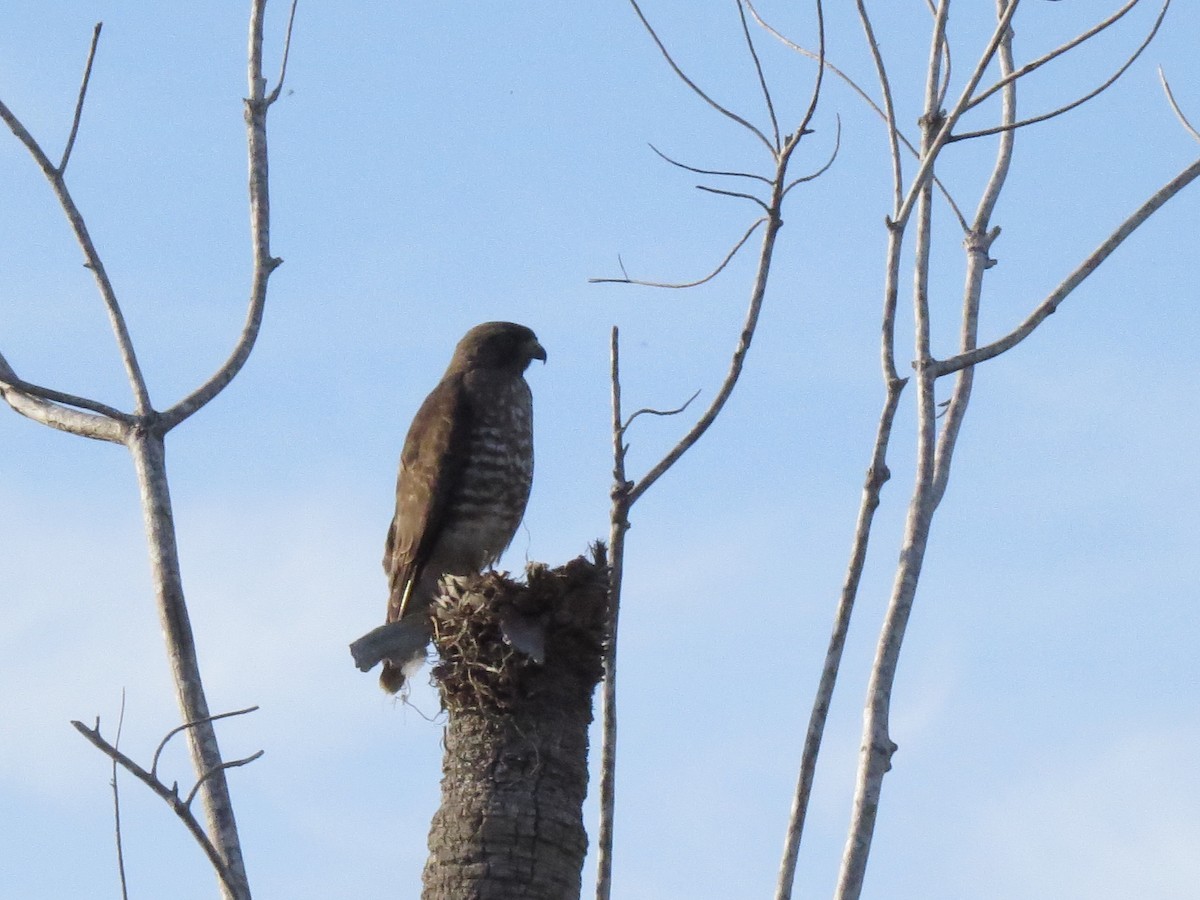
465	474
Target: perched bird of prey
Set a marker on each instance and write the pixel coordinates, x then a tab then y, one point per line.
465	474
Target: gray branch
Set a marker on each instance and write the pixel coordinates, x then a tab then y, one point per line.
1048	306
170	796
257	105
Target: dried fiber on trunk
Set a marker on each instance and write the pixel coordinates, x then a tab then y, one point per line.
519	663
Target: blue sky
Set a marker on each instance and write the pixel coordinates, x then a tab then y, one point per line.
437	166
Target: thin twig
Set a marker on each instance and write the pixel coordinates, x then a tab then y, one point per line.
287	48
715	172
117	799
1175	106
895	134
813	55
170	796
739	195
819	81
91	257
946	63
647	411
158	751
889	111
1053	54
762	81
231	764
812	176
696	89
87	75
690	284
1033	120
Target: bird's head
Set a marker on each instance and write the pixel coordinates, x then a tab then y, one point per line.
498	345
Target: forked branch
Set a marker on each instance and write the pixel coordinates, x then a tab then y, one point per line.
934	450
1080	274
1074	104
143	432
895	136
182	807
55	176
696	89
626	492
1055	53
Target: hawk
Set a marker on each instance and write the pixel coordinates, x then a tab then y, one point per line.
465	473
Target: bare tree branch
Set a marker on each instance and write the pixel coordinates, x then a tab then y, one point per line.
689	284
888	117
87	75
930	153
978	247
257	105
117	798
178	729
91	257
231	764
688	168
813	55
45	406
1175	106
812	176
762	81
143	433
735	367
618	526
625	492
1077	277
10	381
170	796
696	89
647	411
983	132
738	195
946	61
877	476
877	746
287	49
888	112
819	81
1053	54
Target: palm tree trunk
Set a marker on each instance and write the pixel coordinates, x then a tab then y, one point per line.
519	664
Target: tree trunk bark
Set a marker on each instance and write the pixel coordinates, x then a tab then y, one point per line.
519	664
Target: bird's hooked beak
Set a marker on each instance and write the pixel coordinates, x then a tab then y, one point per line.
536	350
